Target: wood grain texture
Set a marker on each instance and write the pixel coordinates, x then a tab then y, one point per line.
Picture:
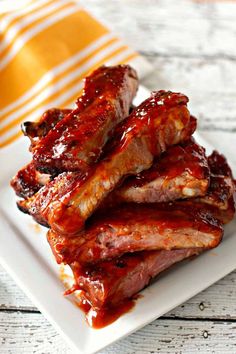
172	28
174	336
191	45
11	296
214	103
31	333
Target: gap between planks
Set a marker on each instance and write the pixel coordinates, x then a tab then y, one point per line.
166	318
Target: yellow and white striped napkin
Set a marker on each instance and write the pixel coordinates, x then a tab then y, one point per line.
47	47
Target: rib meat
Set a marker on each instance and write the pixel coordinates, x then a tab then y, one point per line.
180	172
110	283
219	165
160	121
37	130
78	139
220	192
219	202
133	227
220	197
53	191
183	170
28	181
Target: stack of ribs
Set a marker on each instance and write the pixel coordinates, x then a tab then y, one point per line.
126	192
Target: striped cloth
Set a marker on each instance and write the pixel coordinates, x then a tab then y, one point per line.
46	48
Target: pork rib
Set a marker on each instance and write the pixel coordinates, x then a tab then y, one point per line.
28	181
37	130
77	140
219	165
160	121
110	283
219	202
133	227
180	172
221	194
53	191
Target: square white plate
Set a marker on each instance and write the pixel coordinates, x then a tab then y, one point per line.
25	254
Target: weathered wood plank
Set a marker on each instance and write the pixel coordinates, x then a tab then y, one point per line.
11	296
174	336
170	28
209	84
216	302
31	333
198	65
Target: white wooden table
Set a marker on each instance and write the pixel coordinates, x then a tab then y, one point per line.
192	45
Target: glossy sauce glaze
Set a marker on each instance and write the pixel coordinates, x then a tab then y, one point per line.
40	204
172	215
132	151
221	195
219	165
151	120
127	229
186	157
100	318
28	181
37	130
100	294
78	139
109	289
98	290
219	191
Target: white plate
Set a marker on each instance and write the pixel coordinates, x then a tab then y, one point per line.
25	254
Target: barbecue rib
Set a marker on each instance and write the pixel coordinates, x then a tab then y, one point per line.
28	181
220	197
220	192
219	165
167	179
160	121
78	139
218	202
180	172
37	130
44	199
112	282
136	227
126	192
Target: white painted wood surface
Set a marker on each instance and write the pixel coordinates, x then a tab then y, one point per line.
22	332
192	45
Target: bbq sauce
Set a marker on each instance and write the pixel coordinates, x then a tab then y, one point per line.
100	318
219	165
104	316
77	140
107	302
39	129
149	120
26	183
188	156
